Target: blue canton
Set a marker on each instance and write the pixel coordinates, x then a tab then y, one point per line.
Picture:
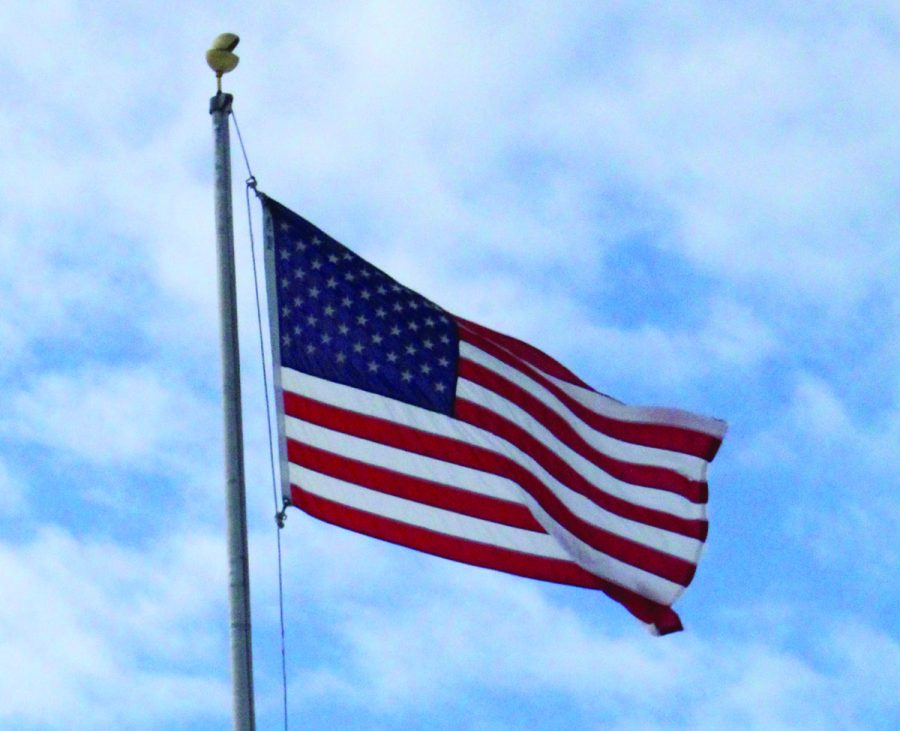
344	320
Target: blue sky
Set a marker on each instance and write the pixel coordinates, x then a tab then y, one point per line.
689	204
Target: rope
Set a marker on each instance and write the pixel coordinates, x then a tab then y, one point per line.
251	183
280	505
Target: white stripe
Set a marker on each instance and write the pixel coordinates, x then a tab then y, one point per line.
415	465
559	545
426	516
692	467
662	500
600	564
605	406
608	406
371	404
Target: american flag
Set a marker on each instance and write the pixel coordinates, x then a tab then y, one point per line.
404	422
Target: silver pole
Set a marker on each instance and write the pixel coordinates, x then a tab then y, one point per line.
243	715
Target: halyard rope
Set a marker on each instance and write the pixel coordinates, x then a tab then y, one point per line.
280	506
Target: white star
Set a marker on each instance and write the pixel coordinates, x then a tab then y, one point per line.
429	322
285	283
317	264
365	273
358	348
346	302
380	312
413	326
381	289
314	291
395	330
326	338
413	305
311	319
349	276
373	366
398	307
362	320
285	226
428	344
392	357
439	387
329	310
299	273
333	258
297	329
376	338
410	349
298	301
347	256
340	357
285	311
425	368
299	245
316	241
310	348
365	294
406	376
343	329
445	340
443	362
331	283
286	339
285	254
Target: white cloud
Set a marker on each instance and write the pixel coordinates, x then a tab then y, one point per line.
662	359
463	636
818	413
13	498
482	155
111	416
842	463
767	142
92	621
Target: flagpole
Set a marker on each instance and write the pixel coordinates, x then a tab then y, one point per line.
221	60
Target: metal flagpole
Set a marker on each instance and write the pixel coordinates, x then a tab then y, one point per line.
222	60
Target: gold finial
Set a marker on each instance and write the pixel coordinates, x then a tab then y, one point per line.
220	57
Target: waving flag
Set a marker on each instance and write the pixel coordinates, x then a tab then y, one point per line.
404	422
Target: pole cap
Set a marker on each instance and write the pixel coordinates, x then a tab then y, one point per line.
220	57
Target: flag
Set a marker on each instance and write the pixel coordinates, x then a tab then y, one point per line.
404	422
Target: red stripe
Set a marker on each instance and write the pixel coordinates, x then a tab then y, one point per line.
672	438
482	554
453	450
428	492
525	352
659	478
488	420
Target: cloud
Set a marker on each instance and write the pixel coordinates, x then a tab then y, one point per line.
13	498
727	336
464	637
840	505
114	416
692	204
92	621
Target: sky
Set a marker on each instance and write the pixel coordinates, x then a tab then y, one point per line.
690	204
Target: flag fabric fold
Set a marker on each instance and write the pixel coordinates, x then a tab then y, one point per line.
404	422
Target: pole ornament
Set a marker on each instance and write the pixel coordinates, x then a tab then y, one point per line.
220	57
